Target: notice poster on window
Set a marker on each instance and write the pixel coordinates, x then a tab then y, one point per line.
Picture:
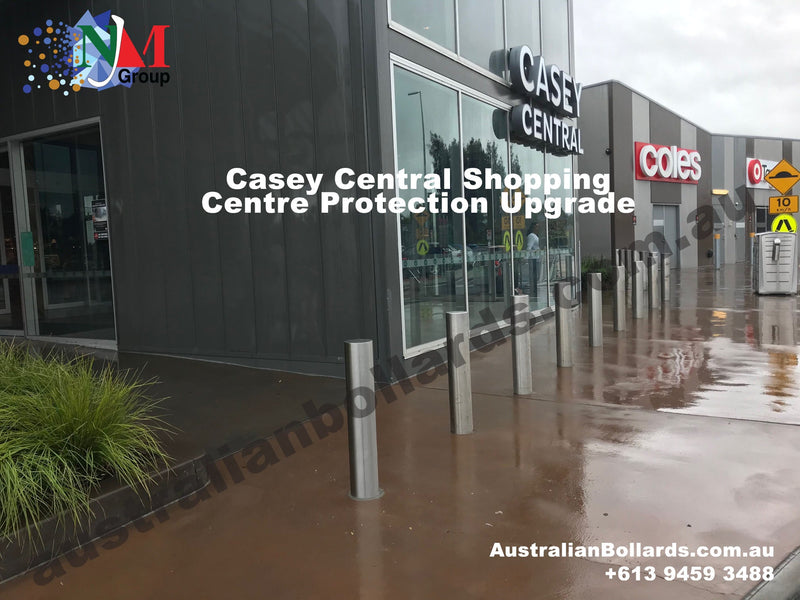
100	219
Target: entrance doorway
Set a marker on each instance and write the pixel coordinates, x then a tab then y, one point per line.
58	213
10	298
665	223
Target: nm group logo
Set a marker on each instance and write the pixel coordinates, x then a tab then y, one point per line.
97	53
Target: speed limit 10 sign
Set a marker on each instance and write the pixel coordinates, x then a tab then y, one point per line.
783	204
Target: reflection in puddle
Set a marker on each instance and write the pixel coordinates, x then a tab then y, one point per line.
722	361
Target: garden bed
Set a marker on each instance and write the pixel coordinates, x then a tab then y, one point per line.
82	449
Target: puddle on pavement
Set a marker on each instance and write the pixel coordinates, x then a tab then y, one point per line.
730	354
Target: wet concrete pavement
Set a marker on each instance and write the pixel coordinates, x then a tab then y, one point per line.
681	430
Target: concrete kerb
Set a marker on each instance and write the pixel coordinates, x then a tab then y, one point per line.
784	586
113	508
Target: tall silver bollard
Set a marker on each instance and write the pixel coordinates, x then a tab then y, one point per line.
665	267
619	298
717	252
627	263
652	280
637	294
563	325
361	429
459	374
595	281
521	345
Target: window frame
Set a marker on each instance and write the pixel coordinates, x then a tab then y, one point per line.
397	61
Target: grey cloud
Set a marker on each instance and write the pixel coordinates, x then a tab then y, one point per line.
731	66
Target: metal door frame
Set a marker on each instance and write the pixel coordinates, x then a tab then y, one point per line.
19	194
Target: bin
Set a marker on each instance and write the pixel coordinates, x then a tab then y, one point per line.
775	263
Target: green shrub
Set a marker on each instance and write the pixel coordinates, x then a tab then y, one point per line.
597	264
65	425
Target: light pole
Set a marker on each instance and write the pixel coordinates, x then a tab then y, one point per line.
424	172
422	120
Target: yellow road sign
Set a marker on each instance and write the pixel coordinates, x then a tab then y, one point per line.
783	176
423	247
782	204
518	239
519	222
785	224
507	240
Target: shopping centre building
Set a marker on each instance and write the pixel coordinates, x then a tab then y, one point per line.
105	240
689	184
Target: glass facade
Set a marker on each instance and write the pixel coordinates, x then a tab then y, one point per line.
555	22
474	261
69	235
478	260
523	27
487	28
433	19
530	261
480	31
10	304
431	244
561	230
485	147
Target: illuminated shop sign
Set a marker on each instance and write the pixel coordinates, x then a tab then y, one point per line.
757	170
667	163
553	97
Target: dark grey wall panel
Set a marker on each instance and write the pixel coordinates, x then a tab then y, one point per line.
276	86
296	143
378	134
176	287
227	131
705	241
665	130
595	229
202	256
333	118
144	206
621	109
258	101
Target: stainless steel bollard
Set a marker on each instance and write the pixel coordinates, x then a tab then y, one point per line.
637	295
459	373
361	428
521	345
717	255
627	263
655	297
563	325
665	267
595	281
619	298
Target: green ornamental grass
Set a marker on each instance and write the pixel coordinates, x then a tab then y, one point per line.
66	425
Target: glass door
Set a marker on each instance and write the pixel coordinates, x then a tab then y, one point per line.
10	299
66	249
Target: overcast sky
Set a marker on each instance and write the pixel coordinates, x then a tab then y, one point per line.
730	66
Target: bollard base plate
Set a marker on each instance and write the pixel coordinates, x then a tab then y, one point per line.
380	495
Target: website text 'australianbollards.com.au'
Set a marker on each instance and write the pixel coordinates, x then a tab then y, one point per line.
551	194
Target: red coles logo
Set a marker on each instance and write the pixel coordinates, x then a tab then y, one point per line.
667	163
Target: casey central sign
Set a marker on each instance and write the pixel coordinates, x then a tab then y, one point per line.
553	96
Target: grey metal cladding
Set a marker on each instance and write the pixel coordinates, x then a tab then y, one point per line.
665	130
267	86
